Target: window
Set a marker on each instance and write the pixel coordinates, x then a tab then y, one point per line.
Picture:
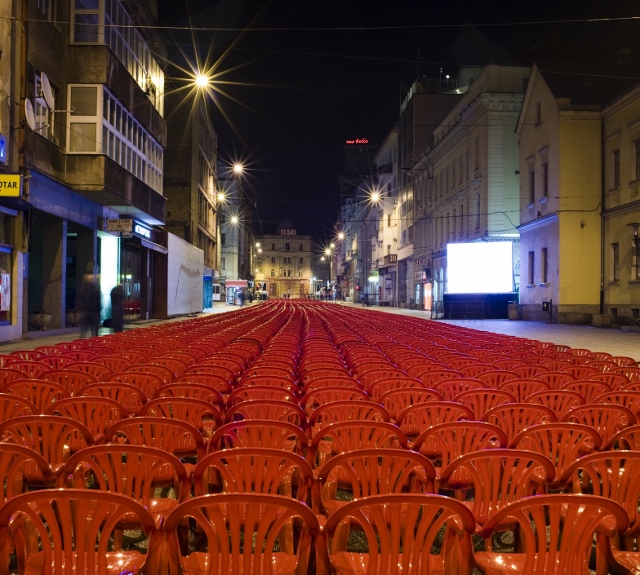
460	170
389	220
615	262
544	265
273	260
300	261
461	220
476	146
273	273
6	264
477	210
468	164
107	22
287	247
615	167
388	249
637	155
45	120
301	248
545	180
531	268
48	8
635	273
532	185
273	247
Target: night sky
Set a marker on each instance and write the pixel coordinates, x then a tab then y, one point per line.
305	76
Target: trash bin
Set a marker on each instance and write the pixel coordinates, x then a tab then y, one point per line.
513	310
411	304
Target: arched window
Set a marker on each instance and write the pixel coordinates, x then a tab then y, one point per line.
273	273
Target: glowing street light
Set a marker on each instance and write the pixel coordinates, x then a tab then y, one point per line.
341	236
238	168
221	197
375	197
234	219
202	80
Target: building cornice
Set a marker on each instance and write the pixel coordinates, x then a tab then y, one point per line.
538	223
621	210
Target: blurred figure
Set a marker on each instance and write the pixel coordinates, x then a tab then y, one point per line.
89	306
117	311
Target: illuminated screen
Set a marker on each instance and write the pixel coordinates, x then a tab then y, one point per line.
480	267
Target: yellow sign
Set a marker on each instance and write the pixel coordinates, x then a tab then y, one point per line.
10	185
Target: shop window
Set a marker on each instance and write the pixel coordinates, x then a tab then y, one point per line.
5	284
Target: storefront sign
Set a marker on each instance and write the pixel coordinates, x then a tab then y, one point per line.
3	150
10	185
141	230
423	261
287	232
357	141
120	225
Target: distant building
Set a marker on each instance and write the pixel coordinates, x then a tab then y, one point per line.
283	267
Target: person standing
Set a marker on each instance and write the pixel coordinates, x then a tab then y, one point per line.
117	312
89	306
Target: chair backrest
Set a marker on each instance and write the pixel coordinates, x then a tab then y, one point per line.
376	471
41	393
260	392
45	523
558	401
30	369
95	413
607	419
99	371
554	530
512	418
451	388
497	377
192	391
196	412
265	379
272	409
355	435
401	532
254	470
253	540
72	381
346	410
523	388
260	433
218	382
499	476
342	381
51	436
385	384
146	382
171	435
417	418
479	401
555	379
129	396
562	443
395	401
15	462
14	406
164	373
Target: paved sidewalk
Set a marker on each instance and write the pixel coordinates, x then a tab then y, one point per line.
612	341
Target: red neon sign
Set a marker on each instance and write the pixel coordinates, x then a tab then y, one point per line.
358	141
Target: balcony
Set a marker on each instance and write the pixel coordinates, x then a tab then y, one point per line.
390	259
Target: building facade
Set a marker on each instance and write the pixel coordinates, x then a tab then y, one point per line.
284	265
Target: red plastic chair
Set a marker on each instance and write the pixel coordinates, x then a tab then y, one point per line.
603	366
321	382
395	401
371	376
15	406
171	435
160	371
192	391
30	369
419	417
494	379
97	370
49	350
131	355
452	388
265	409
57	361
555	530
353	436
628	399
581	371
589	390
134	471
630	372
432	377
81	355
512	418
473	370
560	402
14	461
260	433
479	401
95	413
128	396
217	382
613	380
338	411
606	419
52	437
145	382
401	531
523	388
270	381
259	392
381	386
323	395
114	363
204	416
557	365
253	523
44	525
72	381
555	379
447	441
323	372
499	477
562	443
373	472
40	393
254	470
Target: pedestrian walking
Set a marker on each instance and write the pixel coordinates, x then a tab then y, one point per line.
117	311
89	306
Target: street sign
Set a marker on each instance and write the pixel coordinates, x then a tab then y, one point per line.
10	185
120	225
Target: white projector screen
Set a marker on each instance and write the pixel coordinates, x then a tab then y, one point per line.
480	267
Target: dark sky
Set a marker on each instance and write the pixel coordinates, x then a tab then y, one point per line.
308	75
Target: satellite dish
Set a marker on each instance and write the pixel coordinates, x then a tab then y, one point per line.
29	115
47	92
